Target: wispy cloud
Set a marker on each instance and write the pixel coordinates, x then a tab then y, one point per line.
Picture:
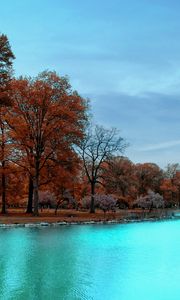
159	146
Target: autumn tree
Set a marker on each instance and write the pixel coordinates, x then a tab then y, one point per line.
16	185
171	184
98	146
169	190
58	174
6	60
170	170
47	116
119	176
62	176
176	183
149	176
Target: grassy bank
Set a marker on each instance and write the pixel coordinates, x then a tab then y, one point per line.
18	216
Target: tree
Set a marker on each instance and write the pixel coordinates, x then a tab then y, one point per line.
6	59
119	176
98	146
169	190
106	203
176	183
16	185
170	170
149	201
46	199
60	179
149	176
47	119
66	200
170	184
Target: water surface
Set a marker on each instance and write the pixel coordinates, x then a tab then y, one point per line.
139	261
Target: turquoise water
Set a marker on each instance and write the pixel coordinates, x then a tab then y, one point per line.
139	261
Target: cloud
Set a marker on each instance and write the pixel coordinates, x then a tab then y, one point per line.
114	54
149	122
159	146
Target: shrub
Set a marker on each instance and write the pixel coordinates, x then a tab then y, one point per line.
46	199
149	201
106	202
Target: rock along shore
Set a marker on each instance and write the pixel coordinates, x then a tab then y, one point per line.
93	222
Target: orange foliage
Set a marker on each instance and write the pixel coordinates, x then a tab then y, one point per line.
46	119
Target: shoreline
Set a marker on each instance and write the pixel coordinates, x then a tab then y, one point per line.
90	222
18	218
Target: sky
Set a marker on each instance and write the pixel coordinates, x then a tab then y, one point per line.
124	55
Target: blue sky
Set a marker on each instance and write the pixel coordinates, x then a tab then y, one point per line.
123	55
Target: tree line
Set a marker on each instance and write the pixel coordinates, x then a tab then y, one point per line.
49	150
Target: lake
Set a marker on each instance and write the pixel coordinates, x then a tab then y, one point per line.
139	261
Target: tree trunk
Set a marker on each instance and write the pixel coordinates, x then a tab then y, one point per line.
178	197
92	206
3	185
36	196
30	197
151	207
57	206
3	176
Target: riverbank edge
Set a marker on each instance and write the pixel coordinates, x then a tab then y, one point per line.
90	222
